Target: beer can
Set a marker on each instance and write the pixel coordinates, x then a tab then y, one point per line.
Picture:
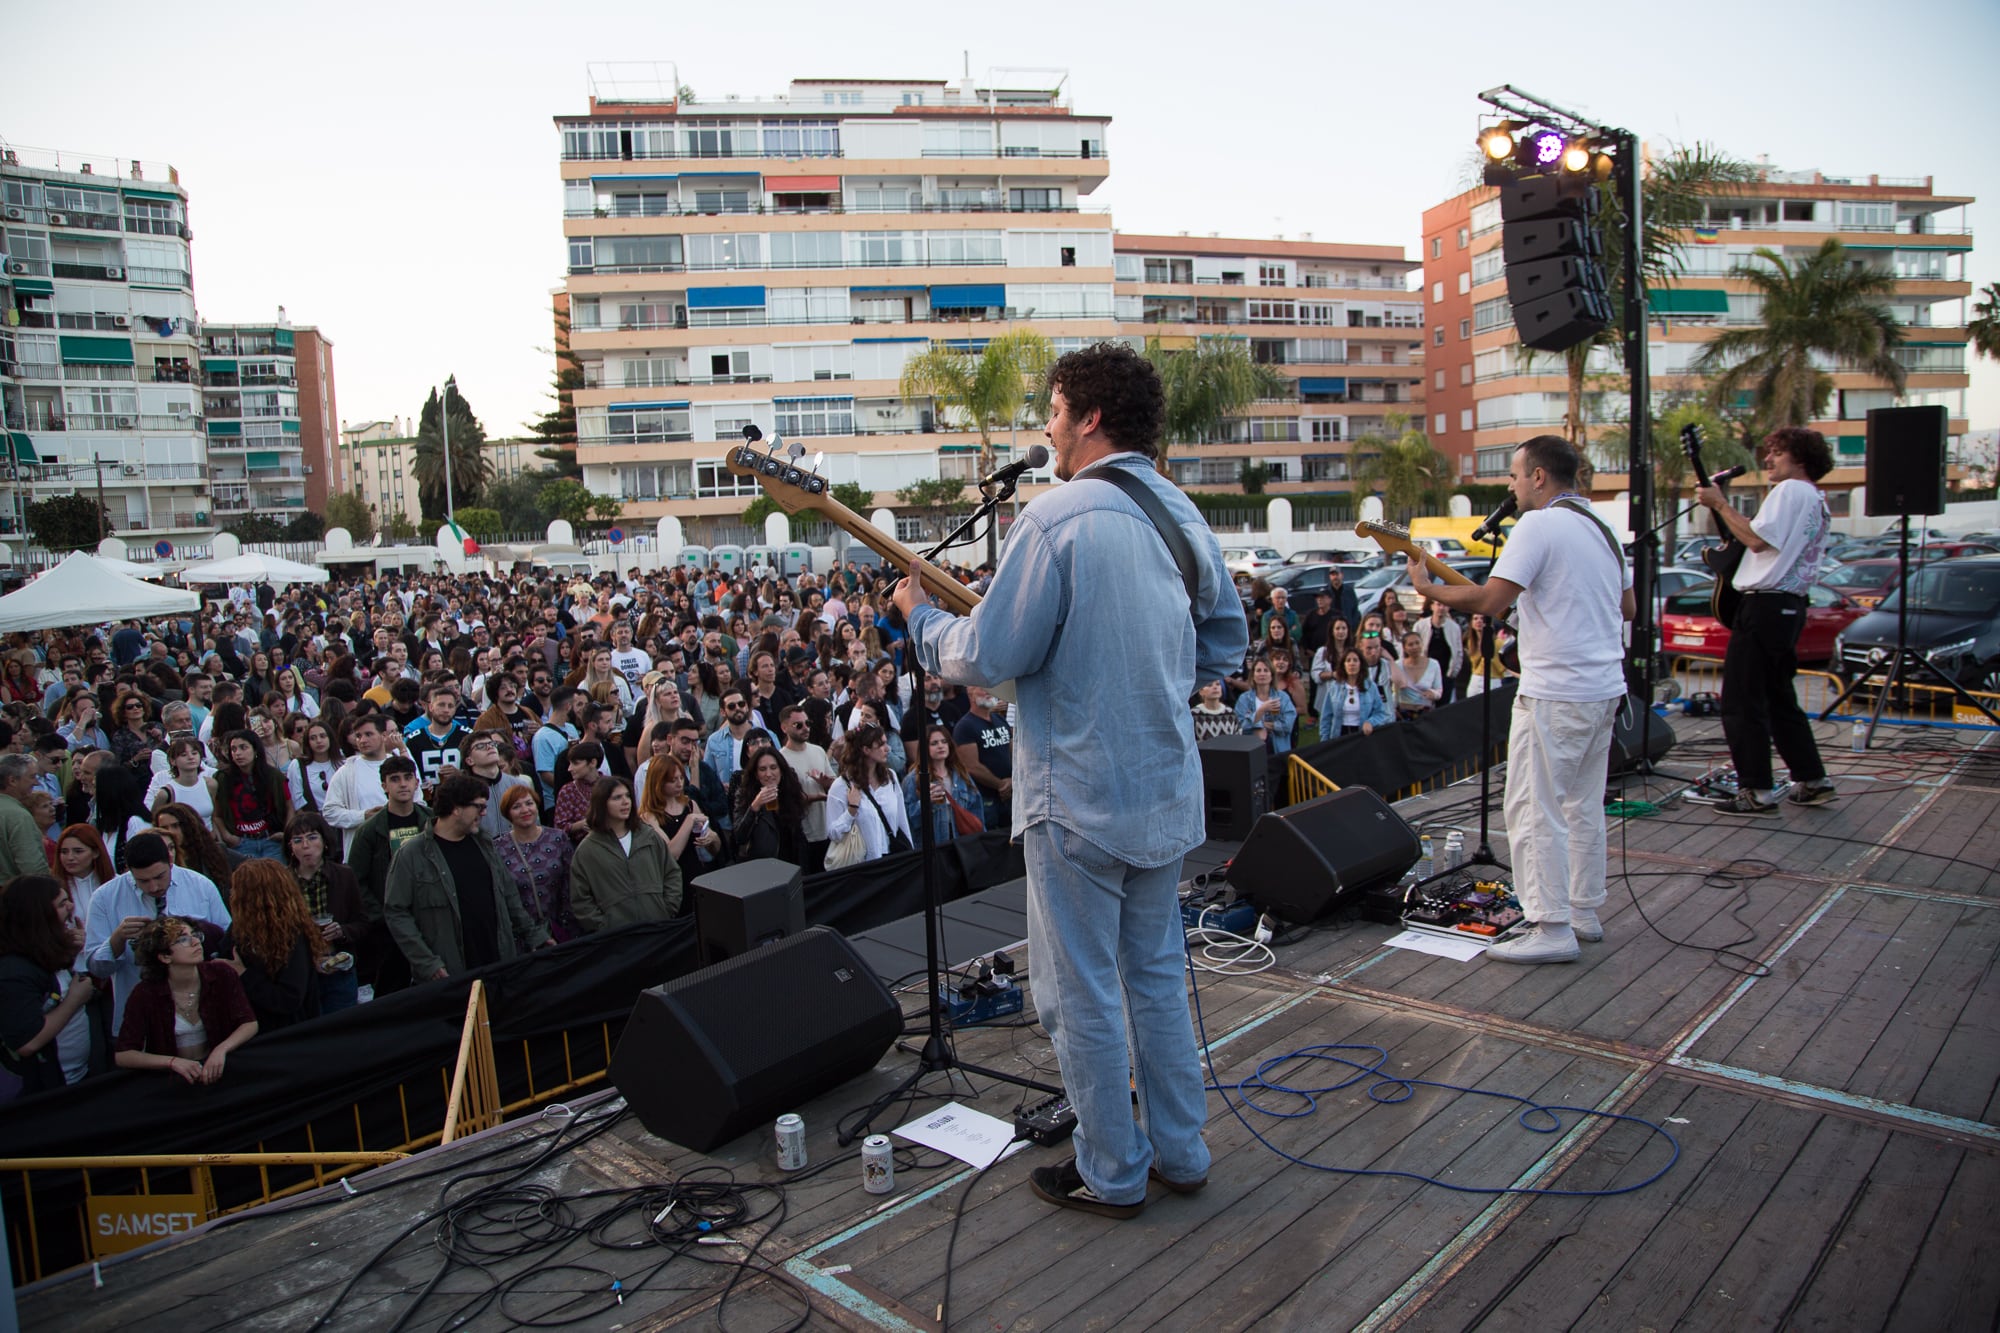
791	1143
878	1164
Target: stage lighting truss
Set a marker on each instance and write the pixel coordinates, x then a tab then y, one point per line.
1516	148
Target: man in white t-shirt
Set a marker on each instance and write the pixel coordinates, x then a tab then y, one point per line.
1574	590
629	662
1782	549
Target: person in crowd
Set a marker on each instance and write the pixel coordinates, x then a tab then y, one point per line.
504	715
1480	661
668	806
1265	711
18	684
251	804
274	945
956	810
195	847
985	741
1375	654
538	858
552	738
187	780
356	791
586	766
1352	704
79	726
1418	680
120	808
21	851
725	748
371	851
1281	611
136	735
1445	643
483	761
309	778
1212	717
185	1015
623	873
1326	659
292	692
333	900
438	740
277	750
42	809
449	903
1285	676
768	817
814	769
51	1035
866	795
1277	634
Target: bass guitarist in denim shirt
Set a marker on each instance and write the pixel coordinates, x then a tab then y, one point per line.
1085	578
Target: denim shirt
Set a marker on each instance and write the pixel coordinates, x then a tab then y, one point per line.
1375	711
1088	615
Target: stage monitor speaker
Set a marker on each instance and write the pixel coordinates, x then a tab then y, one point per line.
1236	785
730	1048
1906	460
1634	740
747	904
1300	862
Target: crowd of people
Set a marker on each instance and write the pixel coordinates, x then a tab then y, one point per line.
298	800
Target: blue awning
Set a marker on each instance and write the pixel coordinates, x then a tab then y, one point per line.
1322	384
725	298
680	406
967	344
973	295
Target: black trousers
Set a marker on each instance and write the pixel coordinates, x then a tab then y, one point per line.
1759	705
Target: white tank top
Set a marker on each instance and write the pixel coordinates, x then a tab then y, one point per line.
195	798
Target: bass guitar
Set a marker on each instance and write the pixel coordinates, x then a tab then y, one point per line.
1721	560
1397	541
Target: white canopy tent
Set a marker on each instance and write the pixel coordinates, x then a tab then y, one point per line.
84	590
254	567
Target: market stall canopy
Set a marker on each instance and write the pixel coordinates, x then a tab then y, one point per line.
84	590
254	567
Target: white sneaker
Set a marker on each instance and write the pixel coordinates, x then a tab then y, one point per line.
1543	942
1584	924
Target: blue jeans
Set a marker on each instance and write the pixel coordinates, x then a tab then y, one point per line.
1109	976
251	848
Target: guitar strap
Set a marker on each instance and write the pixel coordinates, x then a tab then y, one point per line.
1170	532
1617	551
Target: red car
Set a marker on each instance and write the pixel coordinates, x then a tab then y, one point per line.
1688	629
1866	581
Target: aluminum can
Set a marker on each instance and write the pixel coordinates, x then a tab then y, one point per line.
1454	850
791	1143
878	1164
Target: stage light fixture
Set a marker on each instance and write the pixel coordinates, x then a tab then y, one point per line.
1576	157
1498	142
1545	148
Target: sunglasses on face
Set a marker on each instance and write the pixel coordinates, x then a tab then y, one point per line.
1371	634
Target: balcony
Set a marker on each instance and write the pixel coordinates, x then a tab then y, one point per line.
158	277
674	209
90	272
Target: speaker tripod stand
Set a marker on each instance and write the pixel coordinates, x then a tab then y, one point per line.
937	1054
1482	855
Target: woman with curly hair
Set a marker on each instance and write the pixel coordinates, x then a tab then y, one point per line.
251	805
195	848
866	794
275	946
770	808
18	684
185	1015
135	735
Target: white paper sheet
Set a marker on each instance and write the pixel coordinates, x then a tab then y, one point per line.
970	1136
1424	942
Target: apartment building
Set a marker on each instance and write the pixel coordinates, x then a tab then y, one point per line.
267	394
99	375
378	460
777	261
1485	397
509	458
1339	321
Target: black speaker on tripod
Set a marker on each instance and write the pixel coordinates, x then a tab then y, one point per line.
1906	461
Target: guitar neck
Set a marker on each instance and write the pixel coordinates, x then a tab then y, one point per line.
1398	544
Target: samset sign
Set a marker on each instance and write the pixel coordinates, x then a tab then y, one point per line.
125	1222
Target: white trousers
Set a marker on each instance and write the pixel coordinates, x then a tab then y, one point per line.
1557	754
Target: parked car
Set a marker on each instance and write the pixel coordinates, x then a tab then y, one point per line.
1690	630
1303	582
1333	555
1866	581
1369	591
1953	619
1252	562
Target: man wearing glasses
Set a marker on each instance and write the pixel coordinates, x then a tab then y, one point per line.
450	904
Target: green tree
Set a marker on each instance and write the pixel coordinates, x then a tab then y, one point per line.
758	511
983	392
855	496
936	499
517	499
1984	327
398	528
555	429
481	522
470	468
306	527
68	522
1210	383
1253	475
1401	463
1821	305
571	500
351	512
256	528
1673	479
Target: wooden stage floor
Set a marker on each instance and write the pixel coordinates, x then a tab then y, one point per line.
1832	1088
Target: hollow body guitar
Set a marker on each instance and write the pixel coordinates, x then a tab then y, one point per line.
1397	541
795	489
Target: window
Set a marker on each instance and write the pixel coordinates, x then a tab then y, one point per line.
639	254
1322	430
722	201
1320	312
725	251
1465	372
1493	314
652	425
652	373
1493	462
1465	419
1464	329
801	138
1437	424
955	139
1853	217
1464	238
156	217
815	416
819	361
913	99
1437	336
1034	201
1437	247
867	248
805	249
1437	291
714	481
1464	283
965	247
655	481
1271	275
1271	312
1488	265
1437	380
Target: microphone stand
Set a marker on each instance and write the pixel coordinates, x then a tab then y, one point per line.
938	1055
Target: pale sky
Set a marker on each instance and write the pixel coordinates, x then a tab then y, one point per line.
388	172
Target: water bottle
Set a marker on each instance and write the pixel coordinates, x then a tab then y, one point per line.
1425	868
1860	741
1454	850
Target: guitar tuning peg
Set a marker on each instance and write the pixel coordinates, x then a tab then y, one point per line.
796	451
818	459
776	440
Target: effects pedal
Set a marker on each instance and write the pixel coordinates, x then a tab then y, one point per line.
1048	1122
985	1005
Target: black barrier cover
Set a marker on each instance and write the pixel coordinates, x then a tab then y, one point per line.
1405	754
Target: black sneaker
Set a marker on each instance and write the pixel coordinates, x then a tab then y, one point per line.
1063	1186
1811	793
1743	803
1177	1186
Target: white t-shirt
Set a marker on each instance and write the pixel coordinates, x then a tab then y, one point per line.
1794	520
1572	627
632	663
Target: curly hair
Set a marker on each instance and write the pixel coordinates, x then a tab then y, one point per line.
33	923
196	847
1116	379
1808	448
791	794
157	938
269	914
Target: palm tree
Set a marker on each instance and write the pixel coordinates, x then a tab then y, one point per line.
1984	328
1404	466
1721	448
983	391
1208	384
1823	304
471	469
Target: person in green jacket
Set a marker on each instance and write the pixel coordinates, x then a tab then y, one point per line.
451	904
20	841
622	872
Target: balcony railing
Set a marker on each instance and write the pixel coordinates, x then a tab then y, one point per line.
158	277
88	272
590	270
674	208
751	318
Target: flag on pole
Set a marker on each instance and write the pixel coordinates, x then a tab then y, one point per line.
471	546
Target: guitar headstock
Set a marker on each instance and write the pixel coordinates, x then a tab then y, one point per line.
1691	442
790	486
1386	533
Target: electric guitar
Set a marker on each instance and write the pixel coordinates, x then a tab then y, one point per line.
1721	560
1397	541
795	489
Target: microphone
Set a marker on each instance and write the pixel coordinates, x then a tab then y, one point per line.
1508	508
1038	456
1727	474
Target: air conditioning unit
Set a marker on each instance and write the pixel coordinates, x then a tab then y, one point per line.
115	273
131	469
201	519
17	266
58	219
16	214
308	469
123	423
186	235
120	321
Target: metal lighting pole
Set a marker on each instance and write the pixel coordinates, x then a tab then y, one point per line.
444	426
